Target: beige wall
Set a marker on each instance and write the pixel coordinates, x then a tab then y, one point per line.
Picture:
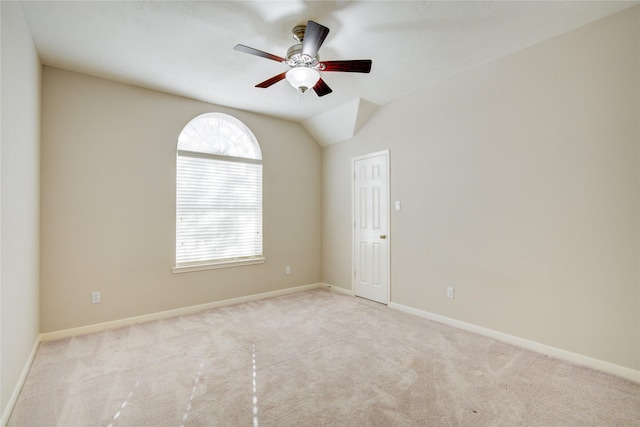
519	184
19	198
108	204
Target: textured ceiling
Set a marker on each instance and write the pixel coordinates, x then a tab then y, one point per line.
186	48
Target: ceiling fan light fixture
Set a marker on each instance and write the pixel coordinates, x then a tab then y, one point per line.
304	62
303	78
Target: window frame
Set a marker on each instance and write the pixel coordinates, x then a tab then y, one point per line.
238	126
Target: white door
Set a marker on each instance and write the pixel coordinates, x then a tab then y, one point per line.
371	226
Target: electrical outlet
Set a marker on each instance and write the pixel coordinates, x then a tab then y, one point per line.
287	270
95	297
450	292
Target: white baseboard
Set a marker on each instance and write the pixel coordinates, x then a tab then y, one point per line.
576	358
49	336
16	391
600	365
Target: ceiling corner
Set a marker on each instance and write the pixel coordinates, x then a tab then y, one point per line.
341	123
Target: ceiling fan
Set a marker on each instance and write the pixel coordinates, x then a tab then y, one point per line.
304	63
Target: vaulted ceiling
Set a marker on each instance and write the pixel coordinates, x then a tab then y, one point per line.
186	47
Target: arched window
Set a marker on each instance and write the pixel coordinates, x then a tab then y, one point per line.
218	194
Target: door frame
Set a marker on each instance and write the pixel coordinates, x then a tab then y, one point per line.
353	218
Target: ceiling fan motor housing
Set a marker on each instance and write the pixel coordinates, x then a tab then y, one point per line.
295	58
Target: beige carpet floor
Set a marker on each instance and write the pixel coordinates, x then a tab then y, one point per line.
316	358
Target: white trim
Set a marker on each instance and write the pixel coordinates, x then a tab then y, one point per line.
600	365
224	157
49	336
369	155
353	218
214	265
16	391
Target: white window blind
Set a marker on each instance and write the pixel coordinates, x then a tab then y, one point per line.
218	196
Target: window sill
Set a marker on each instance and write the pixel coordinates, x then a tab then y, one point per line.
215	265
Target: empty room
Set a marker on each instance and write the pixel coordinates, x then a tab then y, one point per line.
341	213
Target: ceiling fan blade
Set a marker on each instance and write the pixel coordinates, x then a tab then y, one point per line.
272	80
256	52
354	66
322	88
314	36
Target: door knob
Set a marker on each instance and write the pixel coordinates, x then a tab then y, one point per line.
383	236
